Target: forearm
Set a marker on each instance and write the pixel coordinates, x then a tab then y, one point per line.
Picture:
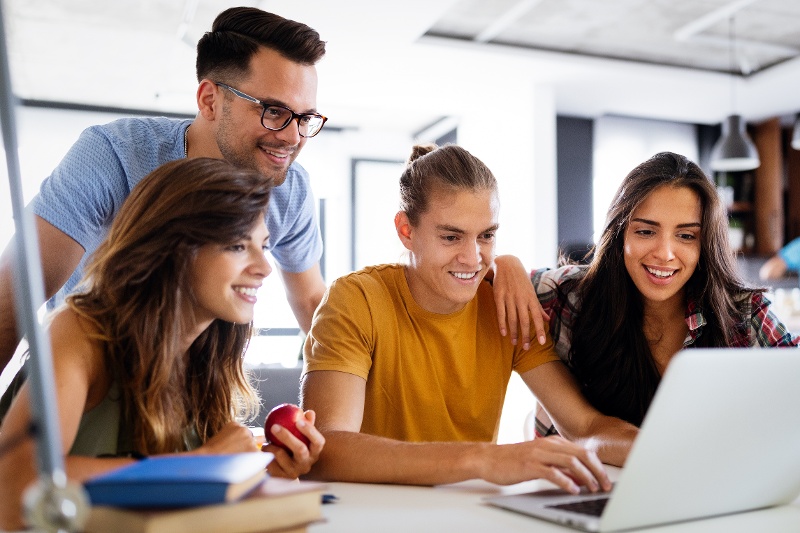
9	336
81	468
303	311
575	418
358	457
610	438
304	290
774	268
60	254
17	471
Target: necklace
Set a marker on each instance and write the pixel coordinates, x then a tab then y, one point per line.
185	144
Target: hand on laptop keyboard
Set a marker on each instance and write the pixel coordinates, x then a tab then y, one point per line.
564	463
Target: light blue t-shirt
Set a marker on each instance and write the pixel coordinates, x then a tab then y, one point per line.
85	191
791	255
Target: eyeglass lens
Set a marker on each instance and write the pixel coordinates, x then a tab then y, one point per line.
276	118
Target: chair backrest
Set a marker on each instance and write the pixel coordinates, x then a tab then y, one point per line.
276	385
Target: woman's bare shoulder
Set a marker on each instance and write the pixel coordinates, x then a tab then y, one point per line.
75	340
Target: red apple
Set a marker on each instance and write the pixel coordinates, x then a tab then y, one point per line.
286	415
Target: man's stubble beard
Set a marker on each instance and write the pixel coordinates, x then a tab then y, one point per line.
245	160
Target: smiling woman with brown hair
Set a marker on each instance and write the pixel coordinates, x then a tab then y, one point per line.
149	351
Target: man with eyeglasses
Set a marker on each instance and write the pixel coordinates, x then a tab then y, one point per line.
247	52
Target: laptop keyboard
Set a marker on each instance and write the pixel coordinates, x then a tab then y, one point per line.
588	507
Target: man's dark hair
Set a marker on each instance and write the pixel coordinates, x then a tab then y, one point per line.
237	33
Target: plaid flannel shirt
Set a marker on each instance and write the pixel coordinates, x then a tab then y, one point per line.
763	327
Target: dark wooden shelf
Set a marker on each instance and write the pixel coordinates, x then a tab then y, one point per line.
740	207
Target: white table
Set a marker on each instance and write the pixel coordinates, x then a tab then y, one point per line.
459	508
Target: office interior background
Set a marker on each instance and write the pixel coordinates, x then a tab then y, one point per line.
559	98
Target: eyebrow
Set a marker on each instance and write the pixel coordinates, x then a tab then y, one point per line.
280	103
275	101
312	111
453	229
654	223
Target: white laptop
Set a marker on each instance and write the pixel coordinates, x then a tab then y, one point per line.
721	436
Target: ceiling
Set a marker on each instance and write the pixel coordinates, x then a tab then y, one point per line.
741	37
404	65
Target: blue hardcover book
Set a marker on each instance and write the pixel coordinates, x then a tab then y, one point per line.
180	480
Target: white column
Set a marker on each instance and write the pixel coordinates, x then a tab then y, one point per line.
518	143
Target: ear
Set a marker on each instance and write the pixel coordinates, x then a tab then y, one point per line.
403	227
209	99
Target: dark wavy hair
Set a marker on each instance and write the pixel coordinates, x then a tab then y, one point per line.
136	293
609	353
238	32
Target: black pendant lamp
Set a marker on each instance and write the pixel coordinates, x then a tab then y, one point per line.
734	151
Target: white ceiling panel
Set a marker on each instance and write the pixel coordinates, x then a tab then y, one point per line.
403	65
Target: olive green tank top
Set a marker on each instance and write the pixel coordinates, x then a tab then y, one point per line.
102	434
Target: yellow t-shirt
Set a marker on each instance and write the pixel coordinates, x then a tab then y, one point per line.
430	377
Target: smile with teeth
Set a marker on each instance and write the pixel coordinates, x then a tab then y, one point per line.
464	275
247	291
660	273
273	153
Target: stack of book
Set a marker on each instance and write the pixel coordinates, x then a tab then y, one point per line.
208	493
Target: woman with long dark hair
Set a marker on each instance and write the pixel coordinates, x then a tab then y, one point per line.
663	277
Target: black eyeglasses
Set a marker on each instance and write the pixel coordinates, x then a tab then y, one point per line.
276	117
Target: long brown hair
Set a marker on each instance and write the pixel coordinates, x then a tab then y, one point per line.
609	353
136	293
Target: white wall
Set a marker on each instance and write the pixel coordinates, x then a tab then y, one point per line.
43	136
328	158
516	140
621	143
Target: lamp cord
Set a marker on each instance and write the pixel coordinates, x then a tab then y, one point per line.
732	51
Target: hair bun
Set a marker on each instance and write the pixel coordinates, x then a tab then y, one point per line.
421	149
